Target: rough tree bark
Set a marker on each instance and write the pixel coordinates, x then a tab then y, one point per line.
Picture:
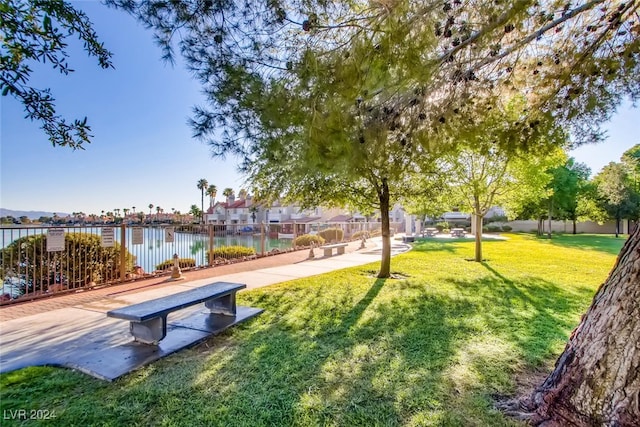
385	263
596	380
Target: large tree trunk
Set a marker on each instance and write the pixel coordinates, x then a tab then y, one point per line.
575	227
596	380
385	262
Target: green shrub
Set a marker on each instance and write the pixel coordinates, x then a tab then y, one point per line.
231	252
506	228
441	226
182	263
375	233
460	224
497	218
307	239
82	262
360	234
493	228
332	234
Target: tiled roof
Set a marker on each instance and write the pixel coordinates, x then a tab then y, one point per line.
301	220
235	205
341	218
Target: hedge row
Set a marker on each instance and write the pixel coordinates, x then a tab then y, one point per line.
361	234
307	239
332	234
231	252
182	262
82	262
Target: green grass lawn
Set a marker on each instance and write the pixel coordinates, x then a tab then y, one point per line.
433	346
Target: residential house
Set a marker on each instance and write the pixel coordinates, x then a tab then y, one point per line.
233	212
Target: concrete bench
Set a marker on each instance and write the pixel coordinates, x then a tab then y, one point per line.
148	320
339	247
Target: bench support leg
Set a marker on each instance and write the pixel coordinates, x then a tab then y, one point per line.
224	305
328	252
150	331
340	250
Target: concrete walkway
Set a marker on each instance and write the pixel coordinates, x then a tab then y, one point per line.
80	335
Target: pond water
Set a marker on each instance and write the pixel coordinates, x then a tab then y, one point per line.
155	248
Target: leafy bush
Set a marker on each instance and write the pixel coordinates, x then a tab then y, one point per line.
460	224
497	218
82	262
493	228
375	233
332	234
231	252
360	234
441	226
307	239
182	263
506	228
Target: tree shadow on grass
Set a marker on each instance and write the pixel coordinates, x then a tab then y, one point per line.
602	243
376	352
359	351
532	313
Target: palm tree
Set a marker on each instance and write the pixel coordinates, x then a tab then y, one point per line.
228	192
211	192
134	209
195	211
150	207
202	186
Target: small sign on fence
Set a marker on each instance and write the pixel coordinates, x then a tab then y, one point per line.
55	240
107	237
137	236
169	235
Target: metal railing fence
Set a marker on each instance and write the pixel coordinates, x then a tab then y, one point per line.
41	260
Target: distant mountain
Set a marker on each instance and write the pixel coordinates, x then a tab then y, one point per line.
28	214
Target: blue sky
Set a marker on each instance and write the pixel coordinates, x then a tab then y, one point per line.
142	151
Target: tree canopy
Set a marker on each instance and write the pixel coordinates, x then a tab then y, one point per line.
576	60
342	101
38	31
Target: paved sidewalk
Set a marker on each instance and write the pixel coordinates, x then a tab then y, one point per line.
73	330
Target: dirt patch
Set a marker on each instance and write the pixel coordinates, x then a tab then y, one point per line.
395	275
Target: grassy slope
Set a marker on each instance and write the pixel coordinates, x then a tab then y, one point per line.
349	349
